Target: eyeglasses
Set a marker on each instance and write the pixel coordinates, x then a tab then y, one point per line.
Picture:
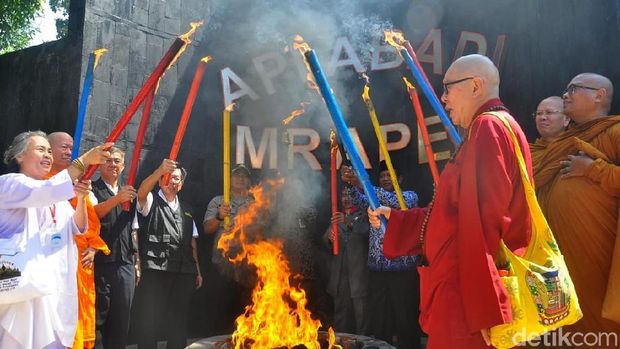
446	84
573	87
545	113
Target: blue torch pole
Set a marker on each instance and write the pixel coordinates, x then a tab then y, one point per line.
343	131
431	96
79	124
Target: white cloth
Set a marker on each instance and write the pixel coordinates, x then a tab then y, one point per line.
93	198
44	310
174	205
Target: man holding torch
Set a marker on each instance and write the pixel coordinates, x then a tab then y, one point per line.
168	258
480	200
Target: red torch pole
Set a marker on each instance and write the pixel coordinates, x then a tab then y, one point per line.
187	112
333	151
425	138
135	158
151	83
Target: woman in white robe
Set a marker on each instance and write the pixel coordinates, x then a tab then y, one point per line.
38	256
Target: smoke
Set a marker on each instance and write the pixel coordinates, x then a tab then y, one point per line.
239	31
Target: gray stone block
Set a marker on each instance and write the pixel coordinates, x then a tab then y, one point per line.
140	16
119	84
172	26
156	14
173	9
138	42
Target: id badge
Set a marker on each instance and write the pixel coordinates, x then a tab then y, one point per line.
53	240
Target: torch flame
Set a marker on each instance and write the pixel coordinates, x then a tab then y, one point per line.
187	36
277	316
229	108
302	46
409	85
206	59
295	113
333	145
98	53
186	41
394	38
366	94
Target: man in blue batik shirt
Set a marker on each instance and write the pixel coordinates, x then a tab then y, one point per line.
394	292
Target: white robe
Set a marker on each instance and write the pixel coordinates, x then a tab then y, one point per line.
42	311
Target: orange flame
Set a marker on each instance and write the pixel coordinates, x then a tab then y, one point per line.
186	41
206	59
295	113
333	146
394	38
230	107
302	46
409	85
277	316
366	94
98	53
187	36
332	340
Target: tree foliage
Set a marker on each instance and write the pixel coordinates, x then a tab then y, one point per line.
16	17
62	24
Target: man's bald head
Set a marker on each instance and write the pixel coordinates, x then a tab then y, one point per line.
470	81
550	118
588	96
62	147
480	66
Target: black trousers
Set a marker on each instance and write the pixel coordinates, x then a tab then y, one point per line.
162	300
115	284
394	307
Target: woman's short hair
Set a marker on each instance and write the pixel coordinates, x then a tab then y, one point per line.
17	147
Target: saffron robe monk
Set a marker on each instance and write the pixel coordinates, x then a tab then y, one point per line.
479	200
88	244
550	123
578	187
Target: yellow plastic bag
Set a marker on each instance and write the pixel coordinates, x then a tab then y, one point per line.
542	294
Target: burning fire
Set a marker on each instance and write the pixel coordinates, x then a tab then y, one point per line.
98	53
186	41
409	85
302	46
277	316
295	113
395	38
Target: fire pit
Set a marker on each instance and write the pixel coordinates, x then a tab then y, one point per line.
347	341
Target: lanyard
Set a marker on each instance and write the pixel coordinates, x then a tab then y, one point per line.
53	212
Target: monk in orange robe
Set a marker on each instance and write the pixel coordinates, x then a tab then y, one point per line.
479	200
88	244
578	186
550	123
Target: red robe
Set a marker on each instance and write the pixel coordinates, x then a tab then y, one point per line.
479	201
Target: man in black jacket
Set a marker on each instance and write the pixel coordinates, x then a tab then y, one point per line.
168	258
115	276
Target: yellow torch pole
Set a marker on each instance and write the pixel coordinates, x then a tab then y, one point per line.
226	140
383	146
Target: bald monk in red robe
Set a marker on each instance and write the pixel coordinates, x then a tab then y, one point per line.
479	200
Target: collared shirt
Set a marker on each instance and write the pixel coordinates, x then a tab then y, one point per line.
93	200
376	259
174	205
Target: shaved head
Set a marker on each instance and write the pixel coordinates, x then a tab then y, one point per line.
481	66
62	147
599	81
550	118
588	96
469	83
